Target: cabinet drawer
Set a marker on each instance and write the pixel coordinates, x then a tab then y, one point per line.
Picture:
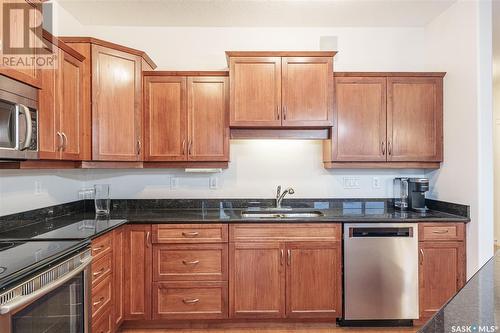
102	245
101	296
207	262
101	268
104	323
190	300
189	233
295	232
441	231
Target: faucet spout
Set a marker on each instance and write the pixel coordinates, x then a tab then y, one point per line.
280	196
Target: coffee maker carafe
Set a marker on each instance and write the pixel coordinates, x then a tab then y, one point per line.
409	193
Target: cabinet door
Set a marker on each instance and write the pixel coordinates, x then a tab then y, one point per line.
208	99
70	106
313	280
255	97
137	266
307	85
116	105
257	280
118	275
21	24
442	274
165	118
359	133
415	119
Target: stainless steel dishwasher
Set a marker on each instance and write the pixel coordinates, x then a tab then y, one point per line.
380	271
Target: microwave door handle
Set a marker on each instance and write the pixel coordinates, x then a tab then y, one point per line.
27	115
23	300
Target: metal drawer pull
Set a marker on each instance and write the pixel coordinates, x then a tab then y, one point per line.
282	256
99	301
190	234
191	301
440	231
289	257
194	262
99	272
421	256
97	249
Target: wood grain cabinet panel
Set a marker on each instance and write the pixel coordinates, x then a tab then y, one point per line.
116	105
257	280
102	245
415	119
307	91
165	118
101	268
441	231
255	91
190	233
205	262
104	323
442	274
137	265
360	115
102	295
118	275
283	232
314	280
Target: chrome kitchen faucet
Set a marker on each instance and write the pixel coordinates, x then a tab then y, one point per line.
280	196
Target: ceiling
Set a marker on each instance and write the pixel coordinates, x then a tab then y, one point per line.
257	13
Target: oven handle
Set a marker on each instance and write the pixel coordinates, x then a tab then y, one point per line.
29	128
21	301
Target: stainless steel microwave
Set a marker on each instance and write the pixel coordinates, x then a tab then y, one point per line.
18	120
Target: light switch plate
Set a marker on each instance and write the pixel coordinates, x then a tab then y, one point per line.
213	183
376	183
352	183
174	183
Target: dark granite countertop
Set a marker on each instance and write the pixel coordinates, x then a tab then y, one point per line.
475	308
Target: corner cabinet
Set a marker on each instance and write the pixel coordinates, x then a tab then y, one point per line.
281	89
113	92
386	120
186	116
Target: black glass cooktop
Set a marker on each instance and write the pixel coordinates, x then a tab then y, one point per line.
19	259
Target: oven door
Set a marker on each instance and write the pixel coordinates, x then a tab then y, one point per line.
60	306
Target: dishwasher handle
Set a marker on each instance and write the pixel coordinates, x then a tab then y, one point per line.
378	232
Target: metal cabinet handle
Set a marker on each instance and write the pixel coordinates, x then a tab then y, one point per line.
282	256
99	301
284	112
65	141
29	126
191	301
183	147
190	234
98	248
278	111
194	262
289	257
389	148
60	145
148	235
421	256
383	147
139	147
190	145
440	231
99	272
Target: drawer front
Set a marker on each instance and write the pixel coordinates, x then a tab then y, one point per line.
101	297
190	300
102	245
104	323
206	262
101	268
295	232
441	231
189	233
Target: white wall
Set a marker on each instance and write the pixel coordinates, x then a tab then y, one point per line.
459	42
496	110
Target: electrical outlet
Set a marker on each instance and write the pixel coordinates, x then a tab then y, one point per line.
376	183
174	183
38	187
213	183
352	183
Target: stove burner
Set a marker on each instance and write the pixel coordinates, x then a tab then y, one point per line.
6	245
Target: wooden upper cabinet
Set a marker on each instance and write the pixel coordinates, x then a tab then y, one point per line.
63	122
281	89
318	263
186	117
255	97
257	275
415	119
208	127
116	105
165	118
307	91
20	26
360	115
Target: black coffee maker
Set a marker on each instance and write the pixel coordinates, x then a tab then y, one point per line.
410	193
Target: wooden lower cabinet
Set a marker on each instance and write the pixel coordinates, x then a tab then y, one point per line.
257	280
442	268
118	275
